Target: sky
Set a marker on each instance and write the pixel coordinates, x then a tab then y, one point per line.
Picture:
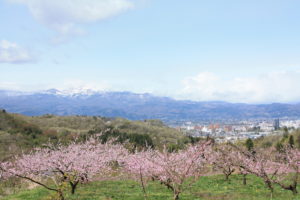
244	51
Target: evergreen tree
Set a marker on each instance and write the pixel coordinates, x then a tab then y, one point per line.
279	147
291	141
249	144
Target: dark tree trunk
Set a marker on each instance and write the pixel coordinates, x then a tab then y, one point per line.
73	187
245	179
292	187
269	185
294	190
227	173
143	186
227	178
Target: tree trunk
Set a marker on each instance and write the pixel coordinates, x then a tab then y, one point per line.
269	185
294	190
245	179
176	196
227	177
291	188
73	187
61	195
294	186
143	186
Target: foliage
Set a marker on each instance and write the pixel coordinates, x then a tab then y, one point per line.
279	140
291	141
137	141
249	144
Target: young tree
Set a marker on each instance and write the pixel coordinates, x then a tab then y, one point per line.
280	168
244	173
288	174
256	164
172	169
140	167
224	160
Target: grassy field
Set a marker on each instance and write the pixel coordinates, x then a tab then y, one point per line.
212	187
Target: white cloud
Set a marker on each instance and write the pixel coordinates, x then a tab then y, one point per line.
282	86
64	16
12	53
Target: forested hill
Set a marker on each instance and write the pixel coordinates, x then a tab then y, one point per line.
21	133
136	106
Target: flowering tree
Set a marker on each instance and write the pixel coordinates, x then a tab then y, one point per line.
258	164
244	173
224	158
281	168
73	164
288	175
171	169
140	167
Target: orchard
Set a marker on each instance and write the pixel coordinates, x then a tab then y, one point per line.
63	168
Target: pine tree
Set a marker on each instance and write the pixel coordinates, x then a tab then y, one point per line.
291	141
249	144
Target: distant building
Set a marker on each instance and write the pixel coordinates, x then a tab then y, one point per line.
276	124
228	128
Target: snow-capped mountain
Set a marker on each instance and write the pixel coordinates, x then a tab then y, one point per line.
86	101
71	92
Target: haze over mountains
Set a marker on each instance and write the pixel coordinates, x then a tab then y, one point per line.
135	106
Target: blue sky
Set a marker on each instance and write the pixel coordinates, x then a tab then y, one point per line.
234	50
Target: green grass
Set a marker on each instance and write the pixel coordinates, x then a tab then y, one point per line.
212	188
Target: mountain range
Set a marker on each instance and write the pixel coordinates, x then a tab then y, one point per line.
81	101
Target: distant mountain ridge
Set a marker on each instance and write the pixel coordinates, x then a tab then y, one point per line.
135	106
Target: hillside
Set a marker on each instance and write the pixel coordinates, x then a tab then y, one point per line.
17	134
83	124
279	140
136	106
20	132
